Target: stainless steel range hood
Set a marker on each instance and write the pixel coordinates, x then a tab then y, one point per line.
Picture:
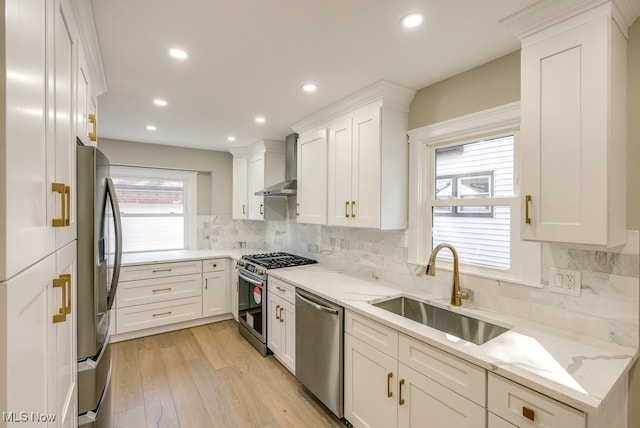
289	186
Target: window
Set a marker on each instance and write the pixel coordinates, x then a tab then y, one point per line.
158	208
464	191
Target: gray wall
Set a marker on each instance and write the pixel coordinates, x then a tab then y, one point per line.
214	168
497	83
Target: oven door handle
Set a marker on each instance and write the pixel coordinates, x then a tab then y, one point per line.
318	306
251	280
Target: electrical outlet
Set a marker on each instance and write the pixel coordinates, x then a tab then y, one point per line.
565	281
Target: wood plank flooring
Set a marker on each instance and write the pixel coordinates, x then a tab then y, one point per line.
207	376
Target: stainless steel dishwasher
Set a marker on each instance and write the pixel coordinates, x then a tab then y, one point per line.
319	349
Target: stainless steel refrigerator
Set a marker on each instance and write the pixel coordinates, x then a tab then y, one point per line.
99	255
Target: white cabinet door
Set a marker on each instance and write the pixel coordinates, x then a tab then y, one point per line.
370	385
312	178
339	172
26	186
62	338
288	335
573	135
256	183
366	168
215	293
240	209
64	159
86	106
274	330
27	322
424	402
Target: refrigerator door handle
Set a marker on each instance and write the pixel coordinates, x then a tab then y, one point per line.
111	191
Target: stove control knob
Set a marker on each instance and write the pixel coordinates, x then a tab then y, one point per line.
240	263
260	271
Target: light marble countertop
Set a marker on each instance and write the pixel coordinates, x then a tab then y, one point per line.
577	370
182	255
574	369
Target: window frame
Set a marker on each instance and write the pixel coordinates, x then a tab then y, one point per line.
190	179
525	256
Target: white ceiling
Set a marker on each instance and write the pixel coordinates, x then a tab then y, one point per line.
251	57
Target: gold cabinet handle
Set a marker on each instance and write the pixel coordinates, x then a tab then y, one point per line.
389	376
261	209
281	317
527	202
161	314
64	282
244	209
528	413
353	211
61	189
277	312
297	209
214	265
280	288
67	194
400	400
93	135
346	209
157	290
161	270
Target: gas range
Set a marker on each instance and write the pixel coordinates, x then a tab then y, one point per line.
258	264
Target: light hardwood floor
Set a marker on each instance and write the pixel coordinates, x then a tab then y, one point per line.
207	376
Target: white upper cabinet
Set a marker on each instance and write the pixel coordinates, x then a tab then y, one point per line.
240	189
255	168
367	158
573	128
87	106
312	177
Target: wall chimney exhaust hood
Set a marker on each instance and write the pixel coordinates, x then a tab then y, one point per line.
289	186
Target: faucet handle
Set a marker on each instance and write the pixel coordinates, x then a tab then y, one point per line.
464	295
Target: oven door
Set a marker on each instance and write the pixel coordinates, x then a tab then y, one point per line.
252	294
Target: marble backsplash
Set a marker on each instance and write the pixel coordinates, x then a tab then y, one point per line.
608	307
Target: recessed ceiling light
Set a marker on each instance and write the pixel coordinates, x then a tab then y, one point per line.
151	128
309	87
160	102
231	138
412	20
260	119
178	53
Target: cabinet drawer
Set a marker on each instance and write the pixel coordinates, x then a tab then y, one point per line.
157	270
283	289
372	332
158	290
463	377
213	265
526	408
495	422
134	318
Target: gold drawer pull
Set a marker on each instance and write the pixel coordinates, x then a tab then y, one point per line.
297	209
157	290
61	316
346	209
401	400
93	135
353	206
527	202
214	265
277	313
389	376
161	270
244	209
280	288
161	314
281	317
65	204
261	209
528	413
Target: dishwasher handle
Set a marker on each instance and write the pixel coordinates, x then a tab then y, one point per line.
317	306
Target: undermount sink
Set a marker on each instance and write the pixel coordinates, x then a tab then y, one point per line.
466	328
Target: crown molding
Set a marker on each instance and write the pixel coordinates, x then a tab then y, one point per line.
386	93
490	120
547	13
271	146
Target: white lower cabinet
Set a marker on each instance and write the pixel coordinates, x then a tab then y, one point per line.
383	390
526	408
281	322
38	358
216	299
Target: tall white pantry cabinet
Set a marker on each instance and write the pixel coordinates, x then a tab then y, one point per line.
39	107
